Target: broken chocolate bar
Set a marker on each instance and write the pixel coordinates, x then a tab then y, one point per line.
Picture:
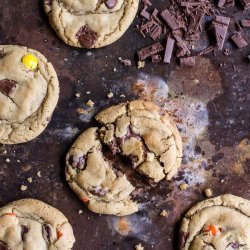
245	23
221	3
170	21
169	50
246	4
187	61
220	26
149	51
156	59
239	40
182	44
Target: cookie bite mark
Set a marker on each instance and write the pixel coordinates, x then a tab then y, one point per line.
110	4
86	37
7	87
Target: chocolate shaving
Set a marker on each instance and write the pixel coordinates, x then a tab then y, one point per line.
239	40
86	37
187	61
182	44
169	19
24	230
110	4
220	26
7	86
149	51
169	50
246	4
125	62
156	59
207	50
245	23
145	14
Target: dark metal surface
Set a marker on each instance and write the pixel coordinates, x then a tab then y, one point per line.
211	105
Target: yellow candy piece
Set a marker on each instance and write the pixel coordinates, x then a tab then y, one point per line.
30	61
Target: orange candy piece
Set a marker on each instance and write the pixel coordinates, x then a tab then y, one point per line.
85	199
212	229
59	234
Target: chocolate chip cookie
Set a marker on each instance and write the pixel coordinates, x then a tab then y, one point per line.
140	132
31	224
90	24
221	223
29	91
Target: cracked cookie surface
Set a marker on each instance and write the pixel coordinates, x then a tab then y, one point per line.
221	223
29	93
90	24
136	130
31	224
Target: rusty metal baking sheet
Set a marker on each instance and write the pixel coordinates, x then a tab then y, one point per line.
211	105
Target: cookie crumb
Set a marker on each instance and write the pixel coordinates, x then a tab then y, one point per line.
5	152
222	181
77	95
123	96
18	161
208	192
39	174
23	188
7	160
139	247
80	211
110	95
183	186
88	93
90	103
114	69
164	213
140	64
29	179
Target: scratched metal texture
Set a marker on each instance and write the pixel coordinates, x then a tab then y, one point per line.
210	103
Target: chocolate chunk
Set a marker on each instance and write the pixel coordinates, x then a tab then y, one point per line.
145	14
221	3
207	50
156	59
146	2
77	161
4	246
220	26
169	50
180	52
239	40
196	21
235	245
7	86
182	44
87	37
246	4
245	23
125	62
47	231
149	51
99	191
170	21
187	61
182	239
24	230
110	3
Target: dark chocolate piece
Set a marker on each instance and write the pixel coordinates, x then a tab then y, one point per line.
125	62
170	21
187	61
182	44
196	21
207	50
169	50
220	26
110	3
24	230
144	13
239	40
235	245
156	59
146	2
87	37
99	191
4	246
149	51
7	86
245	23
246	4
77	161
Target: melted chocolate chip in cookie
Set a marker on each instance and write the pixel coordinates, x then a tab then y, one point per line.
7	86
48	231
77	161
4	246
24	230
110	3
86	37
